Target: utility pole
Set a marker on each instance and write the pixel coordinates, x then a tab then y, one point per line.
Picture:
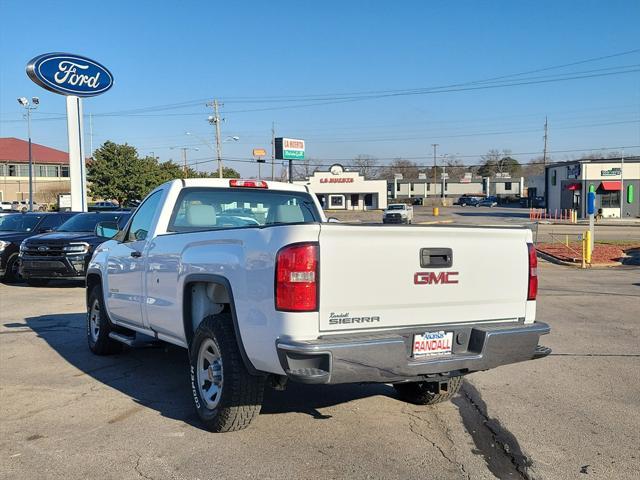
544	152
273	151
215	121
184	160
185	167
435	176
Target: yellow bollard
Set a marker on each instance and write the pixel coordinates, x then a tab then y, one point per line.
584	252
566	241
587	241
436	211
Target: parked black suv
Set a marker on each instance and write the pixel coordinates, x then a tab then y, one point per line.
17	227
65	253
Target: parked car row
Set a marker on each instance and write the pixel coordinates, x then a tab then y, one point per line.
40	246
473	201
22	206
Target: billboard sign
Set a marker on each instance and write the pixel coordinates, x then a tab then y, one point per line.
68	74
289	148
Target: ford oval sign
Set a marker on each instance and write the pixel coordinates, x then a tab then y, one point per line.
69	74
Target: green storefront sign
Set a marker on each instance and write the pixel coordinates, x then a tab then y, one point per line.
293	155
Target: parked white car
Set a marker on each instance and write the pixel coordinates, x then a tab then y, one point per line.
276	294
6	206
398	213
23	206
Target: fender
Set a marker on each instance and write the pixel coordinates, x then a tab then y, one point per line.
186	313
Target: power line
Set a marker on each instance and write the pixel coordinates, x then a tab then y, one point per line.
333	160
361	96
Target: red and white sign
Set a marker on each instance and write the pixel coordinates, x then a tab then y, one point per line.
432	343
337	180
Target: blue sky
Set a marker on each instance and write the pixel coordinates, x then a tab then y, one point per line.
249	53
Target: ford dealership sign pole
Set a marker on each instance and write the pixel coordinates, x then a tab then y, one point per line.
75	77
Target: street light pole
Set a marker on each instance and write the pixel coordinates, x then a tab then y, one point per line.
35	101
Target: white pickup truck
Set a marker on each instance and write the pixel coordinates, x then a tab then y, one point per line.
257	285
398	213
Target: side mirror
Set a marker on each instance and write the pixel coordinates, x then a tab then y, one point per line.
333	220
106	229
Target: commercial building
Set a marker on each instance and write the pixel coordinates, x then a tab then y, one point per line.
50	171
615	181
501	187
341	189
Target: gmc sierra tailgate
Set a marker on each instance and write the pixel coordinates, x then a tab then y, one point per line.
375	277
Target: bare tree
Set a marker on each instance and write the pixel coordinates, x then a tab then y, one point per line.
303	169
534	167
407	168
366	165
455	168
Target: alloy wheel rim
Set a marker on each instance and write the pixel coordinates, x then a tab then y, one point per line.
209	373
94	321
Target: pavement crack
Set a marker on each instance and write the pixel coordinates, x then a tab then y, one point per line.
137	468
413	427
502	438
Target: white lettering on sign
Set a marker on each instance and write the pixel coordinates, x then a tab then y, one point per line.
68	73
336	180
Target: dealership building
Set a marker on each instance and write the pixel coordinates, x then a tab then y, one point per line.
50	171
615	181
341	189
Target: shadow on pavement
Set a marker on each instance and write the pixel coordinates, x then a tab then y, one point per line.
157	377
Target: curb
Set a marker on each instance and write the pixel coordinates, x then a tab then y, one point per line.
557	261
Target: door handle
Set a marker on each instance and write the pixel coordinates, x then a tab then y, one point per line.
136	254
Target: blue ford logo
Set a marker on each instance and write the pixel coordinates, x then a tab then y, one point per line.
69	74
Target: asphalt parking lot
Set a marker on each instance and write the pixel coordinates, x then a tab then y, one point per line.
67	414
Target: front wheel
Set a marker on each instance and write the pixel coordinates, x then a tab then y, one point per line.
427	393
99	326
226	396
12	274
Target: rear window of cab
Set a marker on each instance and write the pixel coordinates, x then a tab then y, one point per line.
208	208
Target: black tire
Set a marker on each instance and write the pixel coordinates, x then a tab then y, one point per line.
421	393
37	282
240	397
98	331
11	274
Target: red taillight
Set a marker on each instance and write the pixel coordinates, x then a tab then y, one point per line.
297	278
248	183
533	273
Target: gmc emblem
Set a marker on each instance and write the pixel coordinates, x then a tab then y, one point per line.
433	278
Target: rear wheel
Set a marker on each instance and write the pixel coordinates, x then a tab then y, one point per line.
99	326
226	396
428	393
